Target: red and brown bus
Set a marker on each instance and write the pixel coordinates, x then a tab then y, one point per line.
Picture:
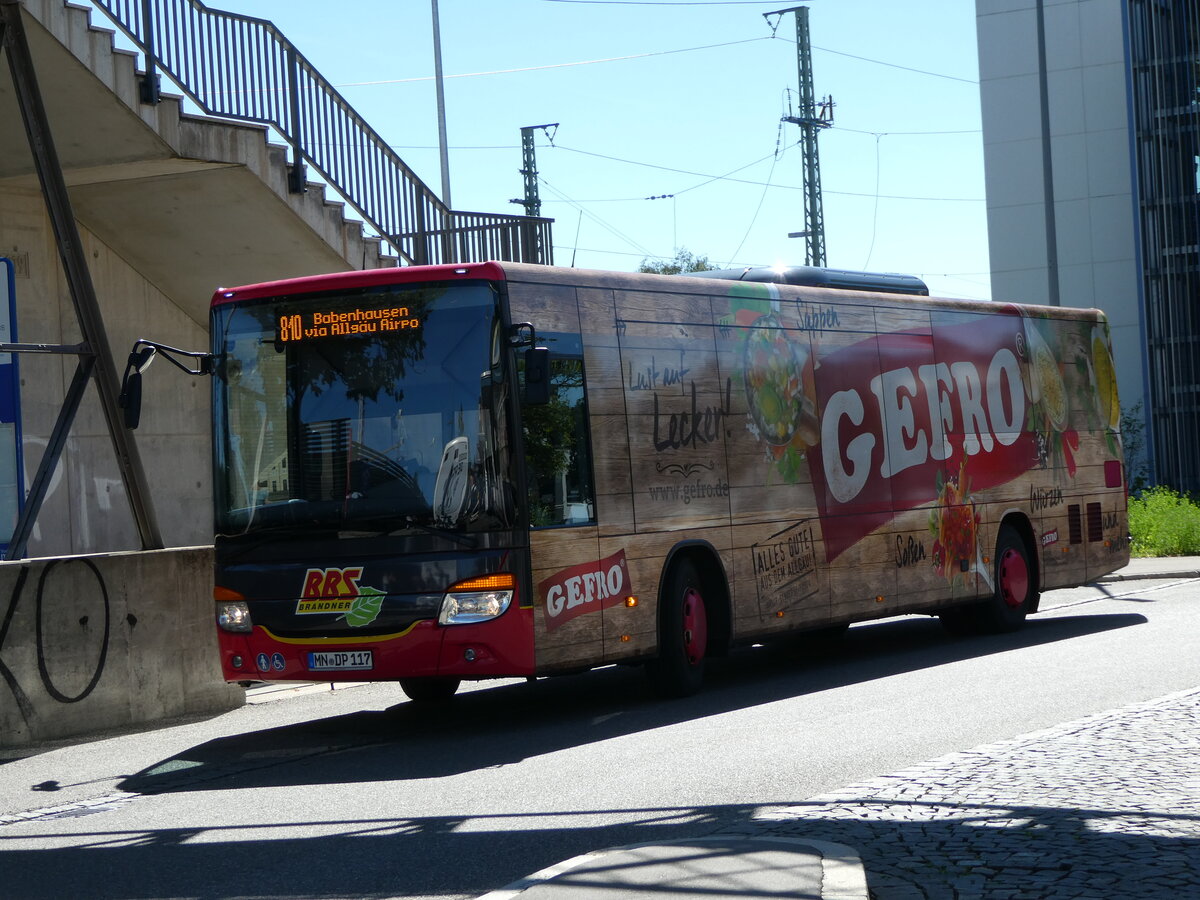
431	474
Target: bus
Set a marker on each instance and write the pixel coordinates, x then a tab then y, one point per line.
433	474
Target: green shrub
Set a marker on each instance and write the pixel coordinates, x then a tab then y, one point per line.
1164	523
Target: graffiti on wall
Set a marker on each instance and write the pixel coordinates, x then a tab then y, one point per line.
71	650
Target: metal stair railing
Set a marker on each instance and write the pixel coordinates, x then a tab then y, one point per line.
243	68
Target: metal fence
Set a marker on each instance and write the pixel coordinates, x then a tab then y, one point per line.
243	68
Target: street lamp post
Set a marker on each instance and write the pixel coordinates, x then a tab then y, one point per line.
441	106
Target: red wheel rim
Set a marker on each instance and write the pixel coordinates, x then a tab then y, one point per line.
695	626
1013	578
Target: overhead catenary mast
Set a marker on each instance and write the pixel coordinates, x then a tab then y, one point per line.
532	202
811	121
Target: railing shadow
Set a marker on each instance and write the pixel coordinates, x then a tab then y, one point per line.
908	851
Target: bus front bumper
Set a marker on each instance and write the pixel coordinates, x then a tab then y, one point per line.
502	647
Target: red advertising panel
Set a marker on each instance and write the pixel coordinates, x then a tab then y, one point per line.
904	415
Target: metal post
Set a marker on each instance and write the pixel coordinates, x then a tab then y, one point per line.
297	171
420	246
441	106
151	84
79	282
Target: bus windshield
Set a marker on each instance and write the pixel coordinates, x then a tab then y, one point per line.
377	410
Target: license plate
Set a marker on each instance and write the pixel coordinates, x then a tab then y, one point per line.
327	660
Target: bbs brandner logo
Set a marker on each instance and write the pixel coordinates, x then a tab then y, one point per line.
338	591
584	588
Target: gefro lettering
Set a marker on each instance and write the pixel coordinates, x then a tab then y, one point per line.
989	406
584	588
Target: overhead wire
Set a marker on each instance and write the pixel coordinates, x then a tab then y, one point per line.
651	53
595	218
761	197
663	2
726	177
880	62
875	211
585	62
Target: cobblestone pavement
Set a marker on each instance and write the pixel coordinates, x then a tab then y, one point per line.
1102	808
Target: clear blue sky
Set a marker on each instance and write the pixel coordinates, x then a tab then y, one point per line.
642	113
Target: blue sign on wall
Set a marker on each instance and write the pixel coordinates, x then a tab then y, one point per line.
12	480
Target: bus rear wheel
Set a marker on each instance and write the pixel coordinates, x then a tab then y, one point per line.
683	635
429	690
1014	597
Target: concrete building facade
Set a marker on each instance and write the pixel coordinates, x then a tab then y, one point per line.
1090	121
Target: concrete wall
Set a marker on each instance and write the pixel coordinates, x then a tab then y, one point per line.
93	643
86	509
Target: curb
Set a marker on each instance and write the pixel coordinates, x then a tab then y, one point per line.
842	873
1146	576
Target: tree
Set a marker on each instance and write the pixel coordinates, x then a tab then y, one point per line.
684	261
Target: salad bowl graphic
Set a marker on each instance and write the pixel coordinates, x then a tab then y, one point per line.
780	393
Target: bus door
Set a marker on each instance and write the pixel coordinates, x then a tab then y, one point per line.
560	493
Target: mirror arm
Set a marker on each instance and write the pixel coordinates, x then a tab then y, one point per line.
204	361
142	354
522	334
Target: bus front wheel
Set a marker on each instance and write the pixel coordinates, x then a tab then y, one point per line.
429	690
683	635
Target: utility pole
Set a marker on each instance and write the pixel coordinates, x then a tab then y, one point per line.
811	122
532	202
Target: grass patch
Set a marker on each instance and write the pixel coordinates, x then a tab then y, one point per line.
1164	523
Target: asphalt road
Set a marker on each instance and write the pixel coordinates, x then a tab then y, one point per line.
357	793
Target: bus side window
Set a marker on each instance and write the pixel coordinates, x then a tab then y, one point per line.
558	453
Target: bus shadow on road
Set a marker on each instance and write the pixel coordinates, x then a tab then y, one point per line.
505	724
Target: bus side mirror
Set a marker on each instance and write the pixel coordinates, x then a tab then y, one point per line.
130	399
537	376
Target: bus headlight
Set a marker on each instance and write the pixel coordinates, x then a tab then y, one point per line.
234	615
477	599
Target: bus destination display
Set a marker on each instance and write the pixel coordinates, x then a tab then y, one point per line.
340	323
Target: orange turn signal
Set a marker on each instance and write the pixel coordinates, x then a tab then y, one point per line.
503	581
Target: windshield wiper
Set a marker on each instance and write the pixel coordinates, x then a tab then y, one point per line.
238	543
464	539
411	523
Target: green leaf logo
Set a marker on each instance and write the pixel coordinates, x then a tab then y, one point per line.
365	608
